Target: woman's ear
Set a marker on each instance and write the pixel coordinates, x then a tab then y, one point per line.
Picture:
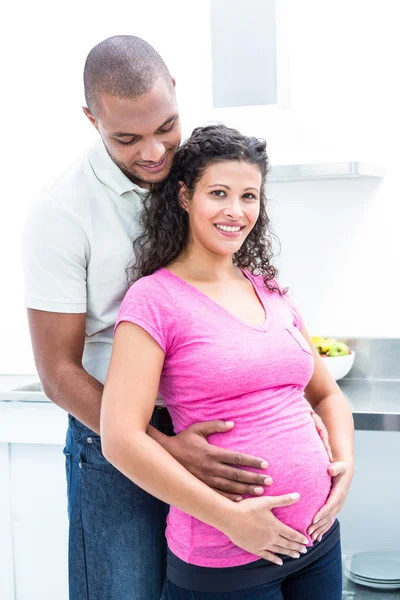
183	195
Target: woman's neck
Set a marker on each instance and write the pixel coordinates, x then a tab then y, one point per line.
199	265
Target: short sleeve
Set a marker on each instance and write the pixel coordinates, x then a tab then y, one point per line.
297	318
55	255
149	305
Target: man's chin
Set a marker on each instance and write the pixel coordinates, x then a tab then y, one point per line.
148	178
141	181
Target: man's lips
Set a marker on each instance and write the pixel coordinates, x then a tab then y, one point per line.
153	167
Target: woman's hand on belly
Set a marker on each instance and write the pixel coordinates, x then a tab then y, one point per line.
342	474
323	433
253	527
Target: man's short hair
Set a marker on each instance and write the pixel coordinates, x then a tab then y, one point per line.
124	66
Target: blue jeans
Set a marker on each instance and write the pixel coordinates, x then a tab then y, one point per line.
321	580
117	548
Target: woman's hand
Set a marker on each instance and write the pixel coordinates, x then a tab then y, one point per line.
342	474
251	525
322	432
214	465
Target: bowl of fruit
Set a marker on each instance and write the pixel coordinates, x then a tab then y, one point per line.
337	356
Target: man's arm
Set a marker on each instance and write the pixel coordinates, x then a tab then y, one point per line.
58	342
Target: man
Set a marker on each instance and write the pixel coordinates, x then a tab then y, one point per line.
78	243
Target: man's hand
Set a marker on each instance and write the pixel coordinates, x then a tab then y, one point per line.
213	465
252	526
342	474
323	433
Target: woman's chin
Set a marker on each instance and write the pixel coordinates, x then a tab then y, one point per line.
227	248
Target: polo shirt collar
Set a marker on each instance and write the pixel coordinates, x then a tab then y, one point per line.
108	173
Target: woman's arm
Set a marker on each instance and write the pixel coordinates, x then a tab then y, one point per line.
128	401
328	401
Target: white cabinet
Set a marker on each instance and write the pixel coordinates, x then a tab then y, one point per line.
33	502
7	589
39	522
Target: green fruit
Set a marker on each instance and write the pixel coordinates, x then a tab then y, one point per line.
338	349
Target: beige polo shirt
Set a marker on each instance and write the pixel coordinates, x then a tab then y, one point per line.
77	245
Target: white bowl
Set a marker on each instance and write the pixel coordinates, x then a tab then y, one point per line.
339	366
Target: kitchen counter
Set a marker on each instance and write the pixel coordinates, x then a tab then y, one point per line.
375	403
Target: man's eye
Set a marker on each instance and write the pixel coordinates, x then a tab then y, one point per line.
218	193
132	141
169	128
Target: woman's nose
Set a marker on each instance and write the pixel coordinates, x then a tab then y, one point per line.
234	209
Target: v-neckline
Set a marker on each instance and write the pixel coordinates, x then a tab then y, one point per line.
268	316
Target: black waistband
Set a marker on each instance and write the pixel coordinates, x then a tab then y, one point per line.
259	572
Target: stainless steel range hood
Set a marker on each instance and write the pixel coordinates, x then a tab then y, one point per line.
317	171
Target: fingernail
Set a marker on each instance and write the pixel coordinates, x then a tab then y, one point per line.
296	555
315	521
229	423
258	490
280	563
264	465
305	541
304	550
267	480
314	537
294	496
311	531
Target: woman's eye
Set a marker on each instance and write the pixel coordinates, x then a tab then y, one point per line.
218	193
250	196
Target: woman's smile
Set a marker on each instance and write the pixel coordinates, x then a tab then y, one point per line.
229	230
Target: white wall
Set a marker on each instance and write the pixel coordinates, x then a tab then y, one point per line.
339	250
337	238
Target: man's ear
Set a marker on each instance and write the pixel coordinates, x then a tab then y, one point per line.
89	115
183	195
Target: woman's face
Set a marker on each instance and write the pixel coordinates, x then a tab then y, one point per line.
224	207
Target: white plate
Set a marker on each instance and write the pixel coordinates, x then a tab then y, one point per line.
395	581
378	566
370	584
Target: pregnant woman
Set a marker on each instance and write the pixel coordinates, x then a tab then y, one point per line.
207	324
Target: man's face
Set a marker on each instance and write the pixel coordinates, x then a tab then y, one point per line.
141	134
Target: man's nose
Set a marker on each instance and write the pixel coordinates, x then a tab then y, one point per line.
152	151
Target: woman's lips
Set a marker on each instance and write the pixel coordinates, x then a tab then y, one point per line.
230	234
155	167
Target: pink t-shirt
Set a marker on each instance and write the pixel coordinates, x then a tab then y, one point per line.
218	367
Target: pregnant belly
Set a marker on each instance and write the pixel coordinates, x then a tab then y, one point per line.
304	471
298	462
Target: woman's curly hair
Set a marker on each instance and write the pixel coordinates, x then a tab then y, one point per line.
165	223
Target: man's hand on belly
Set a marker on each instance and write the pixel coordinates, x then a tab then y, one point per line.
217	467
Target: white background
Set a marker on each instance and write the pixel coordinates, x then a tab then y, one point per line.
340	254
